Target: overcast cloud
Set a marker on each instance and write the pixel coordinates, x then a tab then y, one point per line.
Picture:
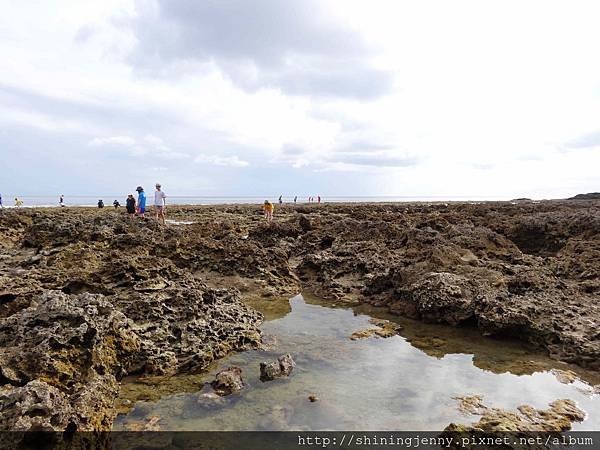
337	97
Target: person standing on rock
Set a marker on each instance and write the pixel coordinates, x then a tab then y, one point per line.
295	199
160	204
141	204
268	209
61	201
130	205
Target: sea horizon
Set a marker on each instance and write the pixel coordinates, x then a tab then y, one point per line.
108	199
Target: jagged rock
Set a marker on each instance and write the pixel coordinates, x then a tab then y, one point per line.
37	406
228	381
444	297
287	364
527	270
557	418
283	367
565	376
82	344
304	223
270	371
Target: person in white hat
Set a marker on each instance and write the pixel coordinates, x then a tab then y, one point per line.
160	204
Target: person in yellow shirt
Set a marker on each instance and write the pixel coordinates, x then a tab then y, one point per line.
268	209
18	202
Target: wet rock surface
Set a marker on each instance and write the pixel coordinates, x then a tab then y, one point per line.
558	417
283	367
383	329
85	300
87	297
228	381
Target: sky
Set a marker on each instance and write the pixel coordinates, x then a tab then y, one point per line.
330	97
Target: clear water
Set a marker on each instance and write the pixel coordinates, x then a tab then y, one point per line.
405	382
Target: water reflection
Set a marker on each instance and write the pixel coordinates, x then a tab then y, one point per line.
402	382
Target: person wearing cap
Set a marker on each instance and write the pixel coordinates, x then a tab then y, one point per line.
160	204
141	201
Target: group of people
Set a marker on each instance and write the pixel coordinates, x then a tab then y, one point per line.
310	199
138	208
268	207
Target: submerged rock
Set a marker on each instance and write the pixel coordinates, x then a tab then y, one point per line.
151	424
385	329
283	367
565	376
228	381
471	405
277	418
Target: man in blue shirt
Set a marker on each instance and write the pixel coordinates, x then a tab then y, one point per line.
141	201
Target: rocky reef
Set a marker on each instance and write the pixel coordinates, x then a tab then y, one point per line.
88	297
559	417
85	302
588	196
523	428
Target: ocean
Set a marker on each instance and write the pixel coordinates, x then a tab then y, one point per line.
88	200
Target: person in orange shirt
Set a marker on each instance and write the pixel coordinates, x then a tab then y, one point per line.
268	209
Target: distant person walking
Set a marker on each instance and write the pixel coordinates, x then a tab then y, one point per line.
1	205
295	199
160	204
130	205
280	199
61	201
18	202
141	203
318	199
268	209
100	204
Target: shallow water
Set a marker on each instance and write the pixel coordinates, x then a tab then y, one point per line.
405	382
179	222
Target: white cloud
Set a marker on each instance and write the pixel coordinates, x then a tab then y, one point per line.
231	161
479	93
148	145
113	140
